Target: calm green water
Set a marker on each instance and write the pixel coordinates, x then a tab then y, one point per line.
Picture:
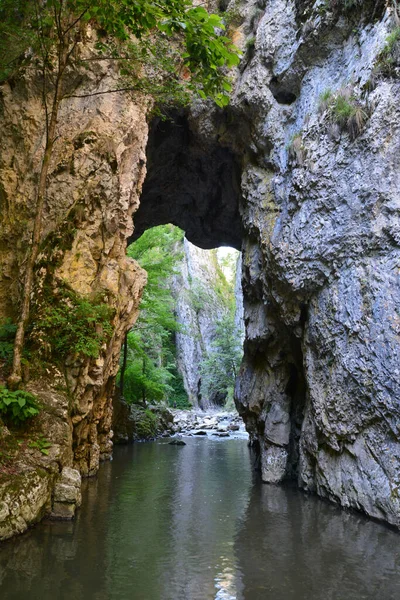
194	523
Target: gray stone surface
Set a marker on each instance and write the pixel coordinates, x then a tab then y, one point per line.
67	495
198	309
319	386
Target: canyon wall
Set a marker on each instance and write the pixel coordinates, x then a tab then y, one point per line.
94	185
319	384
201	301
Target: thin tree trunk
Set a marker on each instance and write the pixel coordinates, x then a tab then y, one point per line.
15	377
123	367
143	387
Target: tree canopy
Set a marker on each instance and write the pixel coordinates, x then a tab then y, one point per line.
149	371
136	32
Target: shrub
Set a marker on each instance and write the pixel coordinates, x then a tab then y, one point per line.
344	110
17	406
391	41
146	426
73	325
389	58
42	444
7	334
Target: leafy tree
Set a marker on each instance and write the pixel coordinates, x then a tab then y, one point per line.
148	369
46	34
219	368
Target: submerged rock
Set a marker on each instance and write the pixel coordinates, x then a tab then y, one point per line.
177	443
67	494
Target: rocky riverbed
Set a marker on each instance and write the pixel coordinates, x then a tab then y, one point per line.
135	423
207	423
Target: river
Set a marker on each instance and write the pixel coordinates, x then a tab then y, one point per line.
194	522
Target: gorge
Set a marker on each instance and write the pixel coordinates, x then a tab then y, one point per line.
300	172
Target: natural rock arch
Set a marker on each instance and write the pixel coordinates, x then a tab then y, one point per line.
192	183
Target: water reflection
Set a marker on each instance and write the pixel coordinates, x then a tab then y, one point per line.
291	546
194	523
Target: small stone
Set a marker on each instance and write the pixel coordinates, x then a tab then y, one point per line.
177	443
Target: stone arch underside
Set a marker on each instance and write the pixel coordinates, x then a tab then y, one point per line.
192	184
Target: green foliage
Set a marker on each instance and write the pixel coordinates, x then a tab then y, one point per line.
150	373
344	110
17	406
197	56
15	35
391	41
7	334
42	444
220	367
178	397
389	58
70	324
250	42
325	99
146	378
146	426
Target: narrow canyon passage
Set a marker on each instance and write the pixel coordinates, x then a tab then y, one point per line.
281	140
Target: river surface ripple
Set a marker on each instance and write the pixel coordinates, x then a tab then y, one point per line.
195	522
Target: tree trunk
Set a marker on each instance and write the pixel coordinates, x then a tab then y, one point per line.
123	367
15	378
143	386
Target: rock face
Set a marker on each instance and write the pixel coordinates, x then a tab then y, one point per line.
319	385
67	494
24	500
199	307
94	184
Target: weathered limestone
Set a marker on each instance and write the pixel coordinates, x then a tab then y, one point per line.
319	386
94	184
67	495
25	499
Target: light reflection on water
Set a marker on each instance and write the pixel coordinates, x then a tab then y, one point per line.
195	523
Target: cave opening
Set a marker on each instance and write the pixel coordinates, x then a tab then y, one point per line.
187	343
193	183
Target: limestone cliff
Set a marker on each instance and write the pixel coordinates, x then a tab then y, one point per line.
319	385
94	185
200	304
